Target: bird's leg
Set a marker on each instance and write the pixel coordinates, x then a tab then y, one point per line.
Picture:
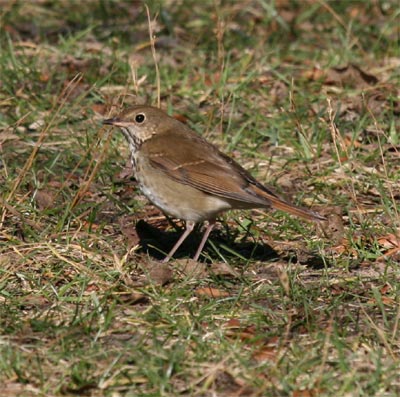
210	227
189	229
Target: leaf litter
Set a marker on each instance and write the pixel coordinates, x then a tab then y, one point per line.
110	242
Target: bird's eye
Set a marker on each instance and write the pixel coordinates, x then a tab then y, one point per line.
139	118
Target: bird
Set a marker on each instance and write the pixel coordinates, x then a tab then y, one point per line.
188	177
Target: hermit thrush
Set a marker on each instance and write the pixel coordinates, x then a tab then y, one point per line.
188	177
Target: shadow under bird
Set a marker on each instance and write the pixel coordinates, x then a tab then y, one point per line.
188	177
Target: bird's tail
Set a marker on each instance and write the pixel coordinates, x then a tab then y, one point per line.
292	209
280	204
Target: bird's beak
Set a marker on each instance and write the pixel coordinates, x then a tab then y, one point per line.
112	121
116	122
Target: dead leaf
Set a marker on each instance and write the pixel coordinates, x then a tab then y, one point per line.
227	384
75	65
306	393
277	89
391	243
212	79
350	76
211	292
388	301
44	77
44	199
89	225
233	323
315	74
92	287
32	300
266	353
191	268
337	289
129	231
386	288
244	333
333	227
55	184
180	117
384	299
223	269
99	108
161	274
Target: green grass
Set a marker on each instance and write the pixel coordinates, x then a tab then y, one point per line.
292	310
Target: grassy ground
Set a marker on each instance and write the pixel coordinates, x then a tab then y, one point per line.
303	94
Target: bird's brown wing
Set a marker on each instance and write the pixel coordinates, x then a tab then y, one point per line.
189	159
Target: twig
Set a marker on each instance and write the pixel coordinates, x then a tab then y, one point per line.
153	51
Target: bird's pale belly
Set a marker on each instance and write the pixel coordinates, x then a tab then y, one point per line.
178	200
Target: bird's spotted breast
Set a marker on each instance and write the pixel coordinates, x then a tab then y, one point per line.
133	140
